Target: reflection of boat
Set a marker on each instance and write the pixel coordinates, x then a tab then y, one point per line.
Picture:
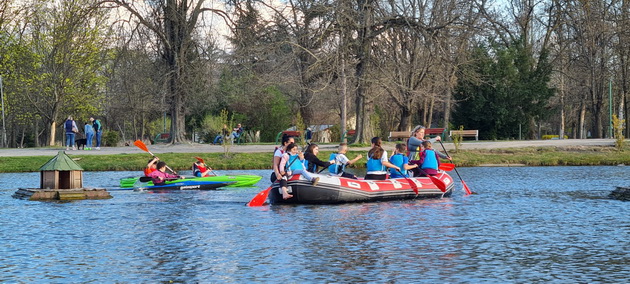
181	184
340	190
234	181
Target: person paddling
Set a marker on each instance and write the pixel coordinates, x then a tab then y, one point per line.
377	163
160	176
200	169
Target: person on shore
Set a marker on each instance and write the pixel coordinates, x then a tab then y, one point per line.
151	166
89	135
340	161
312	161
377	163
237	132
415	142
292	163
400	160
160	176
71	129
200	169
429	160
98	131
277	156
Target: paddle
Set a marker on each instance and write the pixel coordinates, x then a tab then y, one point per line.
143	147
468	191
438	182
148	179
204	163
413	184
260	198
447	167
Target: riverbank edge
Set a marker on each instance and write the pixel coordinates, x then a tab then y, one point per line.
504	157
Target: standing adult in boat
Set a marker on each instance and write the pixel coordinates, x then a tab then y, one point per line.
415	142
277	155
312	161
377	163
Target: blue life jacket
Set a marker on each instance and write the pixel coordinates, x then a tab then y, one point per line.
430	161
374	165
399	161
294	163
335	168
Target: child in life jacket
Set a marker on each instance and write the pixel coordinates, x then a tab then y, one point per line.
400	159
160	176
292	163
341	161
200	169
151	166
429	160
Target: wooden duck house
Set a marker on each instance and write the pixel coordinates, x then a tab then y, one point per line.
61	172
61	179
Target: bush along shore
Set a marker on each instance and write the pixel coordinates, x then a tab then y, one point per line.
529	156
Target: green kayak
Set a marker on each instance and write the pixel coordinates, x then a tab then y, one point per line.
240	180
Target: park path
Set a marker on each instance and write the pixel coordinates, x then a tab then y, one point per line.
250	148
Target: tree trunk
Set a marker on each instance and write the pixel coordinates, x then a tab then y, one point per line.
582	130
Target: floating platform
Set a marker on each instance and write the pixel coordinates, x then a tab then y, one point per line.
61	194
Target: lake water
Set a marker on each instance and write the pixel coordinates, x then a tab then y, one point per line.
525	225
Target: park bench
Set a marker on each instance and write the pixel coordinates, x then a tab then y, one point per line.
433	132
162	137
393	135
465	133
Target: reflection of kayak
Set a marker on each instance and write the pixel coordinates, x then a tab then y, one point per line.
234	181
341	190
181	184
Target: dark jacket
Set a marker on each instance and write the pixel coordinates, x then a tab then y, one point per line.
314	162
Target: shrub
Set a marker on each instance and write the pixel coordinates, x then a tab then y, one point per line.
110	138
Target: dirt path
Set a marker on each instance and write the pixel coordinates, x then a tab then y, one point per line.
205	148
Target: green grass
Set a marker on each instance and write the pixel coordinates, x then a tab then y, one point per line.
531	156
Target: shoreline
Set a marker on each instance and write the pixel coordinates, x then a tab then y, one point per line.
262	148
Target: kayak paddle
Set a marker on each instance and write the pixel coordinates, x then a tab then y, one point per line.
260	198
143	147
411	183
468	191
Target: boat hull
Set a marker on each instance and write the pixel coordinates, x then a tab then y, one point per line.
332	190
233	180
182	185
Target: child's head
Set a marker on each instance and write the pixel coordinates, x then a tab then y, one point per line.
401	148
312	148
161	166
343	148
426	144
292	148
152	163
376	141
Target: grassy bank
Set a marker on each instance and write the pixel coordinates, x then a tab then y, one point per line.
531	156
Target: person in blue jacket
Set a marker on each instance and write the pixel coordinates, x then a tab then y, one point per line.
429	159
89	135
377	163
400	160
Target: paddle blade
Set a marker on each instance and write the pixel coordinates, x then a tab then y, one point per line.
411	183
260	198
439	183
141	145
468	191
447	167
200	160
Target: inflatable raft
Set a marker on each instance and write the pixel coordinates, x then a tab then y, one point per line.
332	189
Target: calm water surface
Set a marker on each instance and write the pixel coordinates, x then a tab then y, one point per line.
525	225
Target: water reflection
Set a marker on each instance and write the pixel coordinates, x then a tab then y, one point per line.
539	224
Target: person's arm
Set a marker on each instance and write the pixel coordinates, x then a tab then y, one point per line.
315	160
355	159
276	162
390	165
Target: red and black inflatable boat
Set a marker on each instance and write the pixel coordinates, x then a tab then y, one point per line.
333	189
